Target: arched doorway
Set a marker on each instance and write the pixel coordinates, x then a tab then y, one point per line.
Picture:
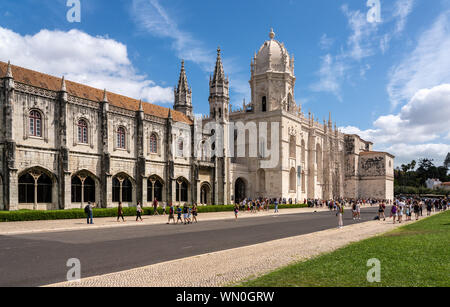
205	194
239	190
155	189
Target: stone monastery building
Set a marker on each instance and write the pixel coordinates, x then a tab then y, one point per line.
63	144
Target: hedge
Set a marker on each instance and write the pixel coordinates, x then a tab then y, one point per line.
29	215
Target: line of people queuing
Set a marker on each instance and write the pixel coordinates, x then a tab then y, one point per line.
406	207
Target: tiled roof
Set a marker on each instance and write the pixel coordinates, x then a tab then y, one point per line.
52	83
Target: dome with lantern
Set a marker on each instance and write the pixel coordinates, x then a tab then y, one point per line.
272	57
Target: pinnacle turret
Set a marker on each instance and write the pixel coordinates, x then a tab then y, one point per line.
183	94
219	74
63	85
9	71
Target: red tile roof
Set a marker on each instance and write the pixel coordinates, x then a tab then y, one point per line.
41	80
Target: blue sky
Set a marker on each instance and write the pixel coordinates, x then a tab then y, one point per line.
387	81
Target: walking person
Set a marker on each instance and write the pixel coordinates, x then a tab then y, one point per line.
171	214
381	210
340	215
185	214
120	212
416	210
179	211
394	212
155	207
89	210
276	206
194	213
139	212
236	211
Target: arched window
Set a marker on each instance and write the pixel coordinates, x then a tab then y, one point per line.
44	189
319	163
154	189
153	144
261	181
264	104
35	123
115	190
121	138
82	132
76	189
303	152
292	180
127	191
89	190
122	190
292	147
182	191
26	189
180	148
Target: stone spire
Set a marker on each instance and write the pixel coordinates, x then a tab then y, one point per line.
105	96
219	97
183	94
219	75
9	71
141	107
63	85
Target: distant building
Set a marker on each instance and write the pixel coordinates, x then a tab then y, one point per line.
445	186
433	183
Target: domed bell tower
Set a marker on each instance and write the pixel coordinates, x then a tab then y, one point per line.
272	77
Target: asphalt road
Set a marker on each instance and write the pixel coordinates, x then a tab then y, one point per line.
40	259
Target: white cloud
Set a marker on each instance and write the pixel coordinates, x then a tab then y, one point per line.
152	17
425	118
331	74
96	61
325	42
427	66
363	42
405	153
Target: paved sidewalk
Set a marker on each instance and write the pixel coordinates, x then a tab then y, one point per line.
234	265
16	228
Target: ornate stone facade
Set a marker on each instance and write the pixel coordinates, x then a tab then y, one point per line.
64	144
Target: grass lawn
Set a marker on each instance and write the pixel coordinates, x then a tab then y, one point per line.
416	255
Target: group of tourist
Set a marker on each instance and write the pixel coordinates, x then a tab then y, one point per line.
405	207
402	209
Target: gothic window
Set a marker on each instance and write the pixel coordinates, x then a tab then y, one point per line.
292	180
122	190
154	189
182	191
127	191
292	147
115	190
180	148
264	104
35	123
121	138
89	190
319	163
82	132
153	144
76	189
303	152
26	189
